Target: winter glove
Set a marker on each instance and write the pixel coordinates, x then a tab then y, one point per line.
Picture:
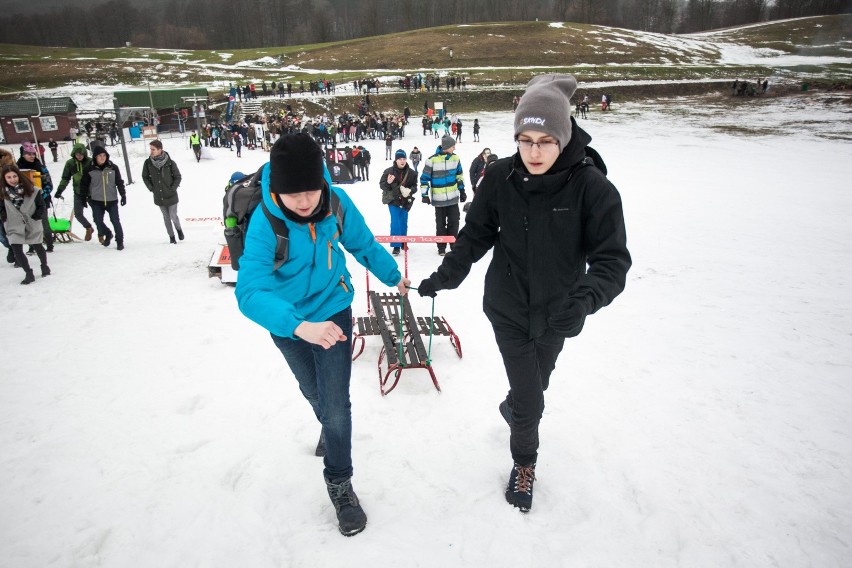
85	202
462	196
427	287
123	200
59	196
569	321
426	200
36	216
405	191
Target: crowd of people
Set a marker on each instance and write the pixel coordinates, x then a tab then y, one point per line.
26	196
749	89
551	195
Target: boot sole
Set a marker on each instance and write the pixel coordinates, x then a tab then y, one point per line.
352	532
521	508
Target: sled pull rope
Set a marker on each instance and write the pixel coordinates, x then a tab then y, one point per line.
431	328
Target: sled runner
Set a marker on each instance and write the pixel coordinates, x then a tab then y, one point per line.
402	337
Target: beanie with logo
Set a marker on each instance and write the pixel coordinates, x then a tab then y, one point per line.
546	107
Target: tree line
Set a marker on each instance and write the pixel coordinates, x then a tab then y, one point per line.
234	24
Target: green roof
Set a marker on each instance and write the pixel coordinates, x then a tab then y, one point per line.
159	98
30	107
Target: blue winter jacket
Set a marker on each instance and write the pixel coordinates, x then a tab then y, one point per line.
314	283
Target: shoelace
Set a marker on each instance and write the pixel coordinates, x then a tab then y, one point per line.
524	479
342	494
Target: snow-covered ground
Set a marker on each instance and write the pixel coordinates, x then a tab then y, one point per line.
702	420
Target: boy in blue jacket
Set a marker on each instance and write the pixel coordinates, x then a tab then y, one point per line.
306	303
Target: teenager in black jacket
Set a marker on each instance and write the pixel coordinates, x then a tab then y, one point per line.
548	214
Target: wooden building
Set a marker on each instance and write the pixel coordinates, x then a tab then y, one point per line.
37	118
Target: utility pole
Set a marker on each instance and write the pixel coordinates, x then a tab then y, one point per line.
32	127
120	124
196	109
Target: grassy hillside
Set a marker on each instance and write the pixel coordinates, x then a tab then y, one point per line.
494	54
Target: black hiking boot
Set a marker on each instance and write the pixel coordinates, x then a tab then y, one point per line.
10	256
119	245
506	411
320	451
29	279
45	270
180	235
351	518
107	239
172	240
519	491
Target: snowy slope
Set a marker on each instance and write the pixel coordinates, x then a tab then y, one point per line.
701	420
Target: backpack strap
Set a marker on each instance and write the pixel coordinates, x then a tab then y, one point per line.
338	211
282	232
282	237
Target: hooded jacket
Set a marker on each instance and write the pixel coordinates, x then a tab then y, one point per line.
162	182
103	183
73	170
314	283
544	230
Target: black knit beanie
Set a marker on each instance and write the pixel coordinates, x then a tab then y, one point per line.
296	165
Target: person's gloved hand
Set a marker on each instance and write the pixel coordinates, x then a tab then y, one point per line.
123	200
426	200
36	216
427	288
569	321
85	202
59	196
462	196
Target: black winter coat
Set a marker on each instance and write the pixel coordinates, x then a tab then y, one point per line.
544	230
163	182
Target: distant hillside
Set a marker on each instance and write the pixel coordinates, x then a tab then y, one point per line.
490	55
233	24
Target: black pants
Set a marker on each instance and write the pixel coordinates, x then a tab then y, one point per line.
48	232
111	207
79	203
447	224
529	363
21	258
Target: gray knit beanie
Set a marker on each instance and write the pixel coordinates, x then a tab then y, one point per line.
447	142
546	107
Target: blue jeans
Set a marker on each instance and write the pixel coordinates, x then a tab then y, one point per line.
399	223
323	376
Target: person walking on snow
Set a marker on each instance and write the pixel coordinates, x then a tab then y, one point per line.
416	156
30	161
443	178
399	186
101	185
73	172
556	227
162	178
195	144
306	302
22	208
